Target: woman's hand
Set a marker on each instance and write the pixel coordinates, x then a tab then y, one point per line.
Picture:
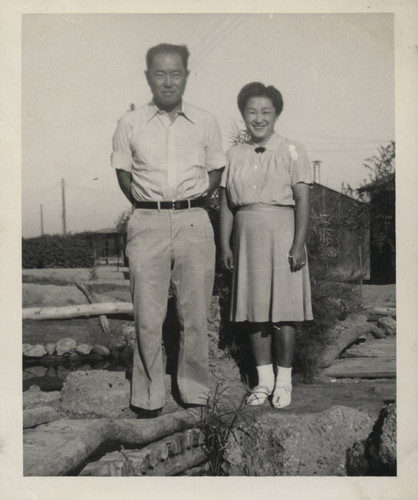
297	258
227	259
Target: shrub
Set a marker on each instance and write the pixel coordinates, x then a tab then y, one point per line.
70	251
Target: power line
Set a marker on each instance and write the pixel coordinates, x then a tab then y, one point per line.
237	22
207	41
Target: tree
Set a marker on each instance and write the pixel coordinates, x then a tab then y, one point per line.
378	194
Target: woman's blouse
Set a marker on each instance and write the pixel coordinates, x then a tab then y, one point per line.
266	177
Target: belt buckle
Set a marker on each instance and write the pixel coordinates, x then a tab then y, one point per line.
173	204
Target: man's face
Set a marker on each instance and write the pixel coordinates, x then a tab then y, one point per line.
167	78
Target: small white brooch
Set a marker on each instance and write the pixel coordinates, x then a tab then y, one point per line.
292	151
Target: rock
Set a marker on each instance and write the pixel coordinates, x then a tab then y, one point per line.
62	372
97	393
357	464
34	397
52	372
214	316
117	338
37	416
129	334
381	444
280	444
51	347
26	376
35	371
73	357
101	350
66	346
387	324
85	368
84	349
34	351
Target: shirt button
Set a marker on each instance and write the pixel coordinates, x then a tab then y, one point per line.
256	167
254	187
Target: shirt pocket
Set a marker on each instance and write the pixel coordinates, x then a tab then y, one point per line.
196	152
148	147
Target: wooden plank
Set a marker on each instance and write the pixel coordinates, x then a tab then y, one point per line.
374	348
382	367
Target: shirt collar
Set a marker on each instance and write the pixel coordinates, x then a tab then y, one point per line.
185	110
271	145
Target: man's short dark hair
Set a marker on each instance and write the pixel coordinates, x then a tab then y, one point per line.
257	89
168	48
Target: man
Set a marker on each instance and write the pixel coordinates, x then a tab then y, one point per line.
168	158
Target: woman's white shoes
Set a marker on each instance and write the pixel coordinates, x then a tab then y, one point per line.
282	396
258	396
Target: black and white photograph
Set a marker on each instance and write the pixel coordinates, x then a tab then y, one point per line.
215	235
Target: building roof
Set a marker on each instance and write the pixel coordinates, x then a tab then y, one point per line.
385	184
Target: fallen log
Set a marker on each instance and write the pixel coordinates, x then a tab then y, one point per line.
104	323
378	312
347	332
82	310
60	447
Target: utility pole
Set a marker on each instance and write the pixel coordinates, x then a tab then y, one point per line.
42	221
64	221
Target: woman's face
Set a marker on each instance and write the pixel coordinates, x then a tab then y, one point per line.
260	117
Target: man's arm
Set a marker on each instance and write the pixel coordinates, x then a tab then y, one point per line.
214	180
124	180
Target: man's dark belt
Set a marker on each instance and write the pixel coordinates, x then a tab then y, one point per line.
172	205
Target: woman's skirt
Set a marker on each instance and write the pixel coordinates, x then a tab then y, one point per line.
264	289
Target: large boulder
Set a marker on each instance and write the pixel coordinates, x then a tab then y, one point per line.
96	394
282	444
376	455
381	444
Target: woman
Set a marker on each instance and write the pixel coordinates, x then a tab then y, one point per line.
265	208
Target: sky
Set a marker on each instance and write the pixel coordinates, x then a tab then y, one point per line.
80	72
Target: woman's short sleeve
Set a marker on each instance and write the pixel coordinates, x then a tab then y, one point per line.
300	166
121	158
225	170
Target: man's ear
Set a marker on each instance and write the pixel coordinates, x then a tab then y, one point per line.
146	75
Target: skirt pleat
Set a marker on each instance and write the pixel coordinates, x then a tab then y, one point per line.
264	289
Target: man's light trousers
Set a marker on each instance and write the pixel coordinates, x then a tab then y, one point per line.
177	247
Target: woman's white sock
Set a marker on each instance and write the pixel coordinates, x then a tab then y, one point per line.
284	376
266	376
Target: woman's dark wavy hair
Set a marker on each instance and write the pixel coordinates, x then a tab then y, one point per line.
168	48
258	89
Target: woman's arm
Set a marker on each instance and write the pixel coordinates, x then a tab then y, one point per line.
225	225
297	254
